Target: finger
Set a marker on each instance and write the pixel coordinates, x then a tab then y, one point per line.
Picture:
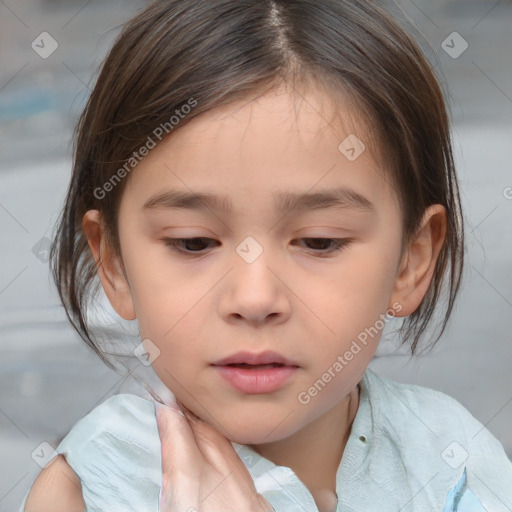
181	461
232	477
209	440
218	451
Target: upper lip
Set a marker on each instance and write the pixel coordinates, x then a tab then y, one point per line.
266	357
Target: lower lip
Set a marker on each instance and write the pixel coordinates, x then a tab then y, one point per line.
256	381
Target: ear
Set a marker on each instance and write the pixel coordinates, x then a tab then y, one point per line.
419	260
108	266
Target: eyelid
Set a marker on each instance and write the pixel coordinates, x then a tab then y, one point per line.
339	245
173	242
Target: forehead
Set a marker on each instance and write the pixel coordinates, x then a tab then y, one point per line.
282	113
285	140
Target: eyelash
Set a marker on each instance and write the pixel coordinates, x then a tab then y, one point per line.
174	243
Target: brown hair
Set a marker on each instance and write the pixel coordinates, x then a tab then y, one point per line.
222	51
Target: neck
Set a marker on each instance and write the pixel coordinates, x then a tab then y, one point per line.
314	452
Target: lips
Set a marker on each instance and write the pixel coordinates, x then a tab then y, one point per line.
267	359
251	374
246	366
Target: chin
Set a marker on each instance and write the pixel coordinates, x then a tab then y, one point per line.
256	432
255	438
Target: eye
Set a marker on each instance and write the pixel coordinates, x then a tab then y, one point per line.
197	245
326	245
193	245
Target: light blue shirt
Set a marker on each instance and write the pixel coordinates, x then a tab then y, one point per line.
411	449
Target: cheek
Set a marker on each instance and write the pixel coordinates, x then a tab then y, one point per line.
350	303
164	294
356	292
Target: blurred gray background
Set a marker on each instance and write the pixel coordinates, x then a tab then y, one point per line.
49	378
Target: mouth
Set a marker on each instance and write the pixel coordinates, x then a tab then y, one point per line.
251	361
256	374
247	366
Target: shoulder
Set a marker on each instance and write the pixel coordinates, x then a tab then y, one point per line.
120	406
410	410
435	434
412	399
122	428
115	452
122	417
56	489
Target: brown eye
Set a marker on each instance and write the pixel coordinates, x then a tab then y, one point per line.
326	245
188	245
197	245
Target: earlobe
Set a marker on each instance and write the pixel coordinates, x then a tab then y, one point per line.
419	260
108	266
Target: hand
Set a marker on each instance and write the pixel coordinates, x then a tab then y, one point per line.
201	471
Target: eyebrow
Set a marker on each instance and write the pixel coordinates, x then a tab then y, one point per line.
338	198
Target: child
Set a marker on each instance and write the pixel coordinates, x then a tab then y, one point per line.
263	185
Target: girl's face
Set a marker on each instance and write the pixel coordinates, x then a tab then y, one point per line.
260	282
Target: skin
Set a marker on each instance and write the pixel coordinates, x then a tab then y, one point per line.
300	300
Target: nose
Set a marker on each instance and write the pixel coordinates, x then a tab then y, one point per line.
255	292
